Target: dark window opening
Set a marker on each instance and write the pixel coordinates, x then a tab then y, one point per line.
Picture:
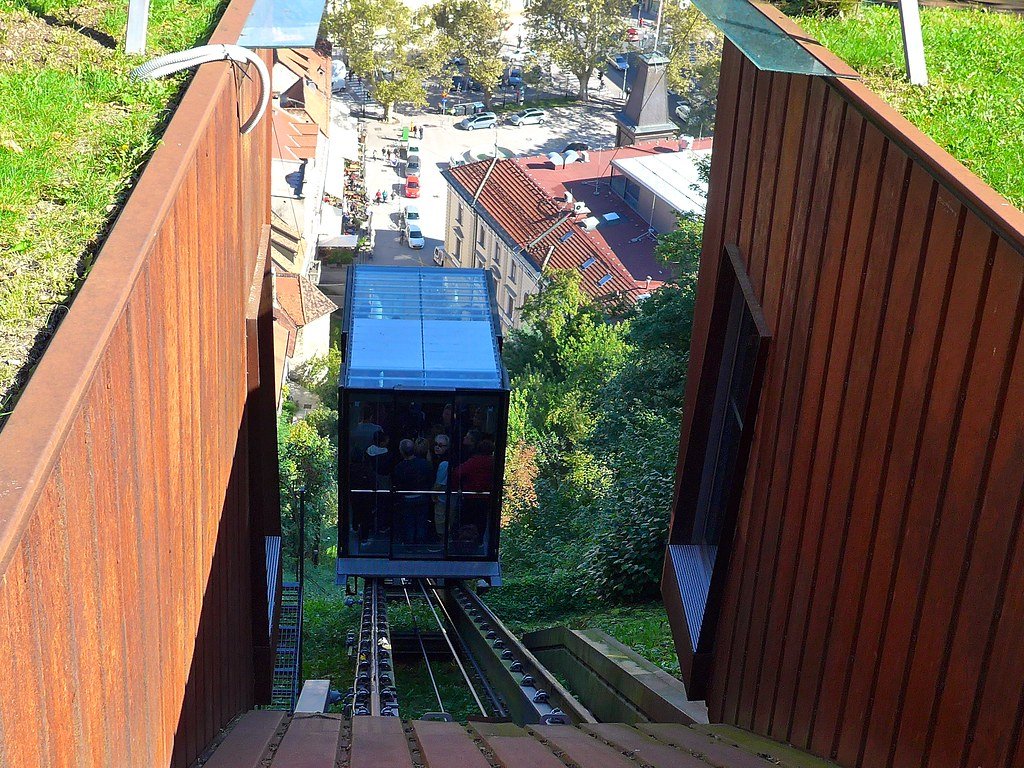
716	456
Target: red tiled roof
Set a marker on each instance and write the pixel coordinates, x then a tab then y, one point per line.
294	137
300	301
518	205
522	196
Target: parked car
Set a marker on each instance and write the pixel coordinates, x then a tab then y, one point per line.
514	76
632	35
465	83
618	61
414	236
412	186
411	214
531	116
576	146
483	120
412	166
683	111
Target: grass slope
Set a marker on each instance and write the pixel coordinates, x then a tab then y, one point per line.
973	105
74	133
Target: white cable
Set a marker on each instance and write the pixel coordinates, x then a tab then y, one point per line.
236	54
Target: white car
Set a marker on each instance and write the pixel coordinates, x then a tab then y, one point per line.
531	116
411	215
683	111
414	236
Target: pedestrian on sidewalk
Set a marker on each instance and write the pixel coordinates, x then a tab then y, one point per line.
421	131
374	154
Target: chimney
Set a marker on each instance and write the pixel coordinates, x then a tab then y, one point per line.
645	116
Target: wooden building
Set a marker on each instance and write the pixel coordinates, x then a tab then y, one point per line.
846	561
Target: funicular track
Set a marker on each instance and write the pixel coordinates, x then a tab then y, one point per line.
506	680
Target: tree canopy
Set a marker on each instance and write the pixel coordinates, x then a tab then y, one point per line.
393	49
577	34
593	437
473	29
694	47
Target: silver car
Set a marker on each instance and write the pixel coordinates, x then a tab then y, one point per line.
483	120
414	236
531	116
412	166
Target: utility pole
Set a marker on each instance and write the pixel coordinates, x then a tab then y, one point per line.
138	20
302	538
913	44
302	572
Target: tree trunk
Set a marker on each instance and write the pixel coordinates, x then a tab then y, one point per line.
584	78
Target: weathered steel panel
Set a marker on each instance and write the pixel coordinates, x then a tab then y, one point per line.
875	577
124	488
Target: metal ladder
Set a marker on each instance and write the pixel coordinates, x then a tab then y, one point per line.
286	658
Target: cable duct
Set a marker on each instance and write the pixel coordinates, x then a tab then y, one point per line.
236	54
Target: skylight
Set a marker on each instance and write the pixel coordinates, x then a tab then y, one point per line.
588	263
604	280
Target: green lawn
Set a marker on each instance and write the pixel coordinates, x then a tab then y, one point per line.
974	103
74	133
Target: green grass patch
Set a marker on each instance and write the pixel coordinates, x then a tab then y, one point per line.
74	134
973	105
554	101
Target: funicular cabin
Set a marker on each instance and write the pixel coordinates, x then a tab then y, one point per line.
423	400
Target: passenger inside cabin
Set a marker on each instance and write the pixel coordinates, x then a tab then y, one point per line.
361	436
440	457
474	478
411	477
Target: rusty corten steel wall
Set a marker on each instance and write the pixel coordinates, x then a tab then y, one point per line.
874	606
125	502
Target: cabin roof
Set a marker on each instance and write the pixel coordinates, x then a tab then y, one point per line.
421	328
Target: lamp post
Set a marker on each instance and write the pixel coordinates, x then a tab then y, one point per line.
302	538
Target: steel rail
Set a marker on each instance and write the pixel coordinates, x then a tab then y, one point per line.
423	649
497	706
447	639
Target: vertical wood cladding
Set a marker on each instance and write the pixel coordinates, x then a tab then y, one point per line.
873	611
125	523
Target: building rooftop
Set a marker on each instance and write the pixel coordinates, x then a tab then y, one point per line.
669	175
295	135
300	299
421	328
525	198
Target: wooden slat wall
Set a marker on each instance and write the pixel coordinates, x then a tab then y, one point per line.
874	609
125	514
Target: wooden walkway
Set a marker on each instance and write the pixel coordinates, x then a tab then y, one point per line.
265	739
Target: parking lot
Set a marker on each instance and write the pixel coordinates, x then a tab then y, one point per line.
593	124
